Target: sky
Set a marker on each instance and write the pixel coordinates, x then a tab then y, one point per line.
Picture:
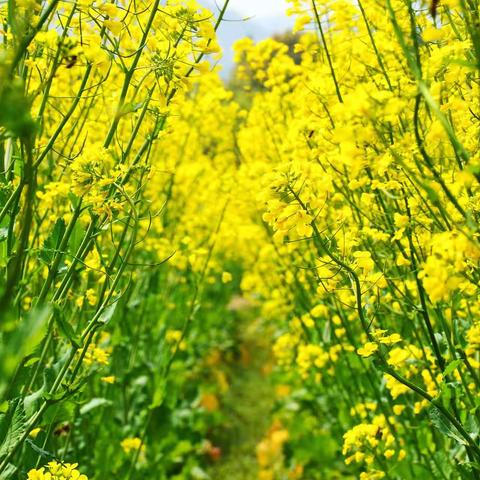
259	8
267	18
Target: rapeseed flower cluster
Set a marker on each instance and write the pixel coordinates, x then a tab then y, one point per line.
57	471
334	185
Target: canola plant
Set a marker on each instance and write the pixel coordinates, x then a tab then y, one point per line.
332	187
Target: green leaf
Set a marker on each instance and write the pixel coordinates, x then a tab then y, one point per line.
74	199
431	193
95	403
469	467
444	425
12	426
31	361
54	397
23	339
8	472
199	474
327	333
68	390
3	254
40	451
15	114
30	402
61	412
464	63
159	394
441	467
67	330
452	366
52	242
471	425
107	314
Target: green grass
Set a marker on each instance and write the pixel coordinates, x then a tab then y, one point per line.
248	404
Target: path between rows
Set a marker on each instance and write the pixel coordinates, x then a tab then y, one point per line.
248	407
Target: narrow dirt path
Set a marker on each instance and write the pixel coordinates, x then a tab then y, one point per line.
248	405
